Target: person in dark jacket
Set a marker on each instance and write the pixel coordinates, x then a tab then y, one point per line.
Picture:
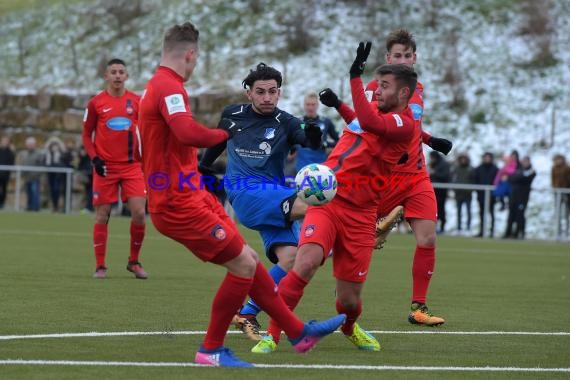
520	193
439	171
463	174
7	157
485	174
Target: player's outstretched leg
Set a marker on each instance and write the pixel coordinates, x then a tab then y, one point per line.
220	357
386	224
420	315
315	331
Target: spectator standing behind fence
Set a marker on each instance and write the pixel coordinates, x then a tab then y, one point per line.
439	172
31	156
6	158
462	173
560	179
54	158
501	182
85	169
485	174
520	182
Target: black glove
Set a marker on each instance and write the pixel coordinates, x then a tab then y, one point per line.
313	135
362	53
441	145
228	126
100	166
329	98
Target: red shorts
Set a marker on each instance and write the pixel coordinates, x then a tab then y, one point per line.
129	177
348	231
204	228
414	192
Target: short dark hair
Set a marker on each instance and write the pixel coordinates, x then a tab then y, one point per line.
116	61
405	76
402	37
180	34
262	72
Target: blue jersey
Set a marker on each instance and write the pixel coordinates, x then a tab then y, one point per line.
259	147
306	156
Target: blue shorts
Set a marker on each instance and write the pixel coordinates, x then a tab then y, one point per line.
267	211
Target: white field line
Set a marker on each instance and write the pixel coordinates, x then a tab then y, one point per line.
291	366
95	334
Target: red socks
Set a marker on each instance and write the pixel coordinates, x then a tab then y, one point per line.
264	292
422	270
228	299
291	290
351	316
100	243
137	237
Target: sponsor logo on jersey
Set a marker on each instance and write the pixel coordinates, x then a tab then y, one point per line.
309	230
399	122
355	127
269	133
119	123
175	103
219	233
417	111
265	147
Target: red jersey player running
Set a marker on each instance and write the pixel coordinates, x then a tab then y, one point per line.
182	210
416	193
346	224
110	139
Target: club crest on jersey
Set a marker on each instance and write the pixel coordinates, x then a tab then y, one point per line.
219	233
309	230
269	133
129	107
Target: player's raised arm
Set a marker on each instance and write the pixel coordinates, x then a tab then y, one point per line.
396	87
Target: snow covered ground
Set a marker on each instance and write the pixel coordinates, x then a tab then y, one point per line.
508	103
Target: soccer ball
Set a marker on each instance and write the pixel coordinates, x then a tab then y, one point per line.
316	184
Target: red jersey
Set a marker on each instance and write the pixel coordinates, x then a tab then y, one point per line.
170	138
110	127
416	161
368	149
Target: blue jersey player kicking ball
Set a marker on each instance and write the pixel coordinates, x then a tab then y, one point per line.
254	180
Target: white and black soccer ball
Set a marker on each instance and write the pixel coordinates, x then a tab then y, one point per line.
316	184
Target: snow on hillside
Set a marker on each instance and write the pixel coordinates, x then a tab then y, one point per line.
508	103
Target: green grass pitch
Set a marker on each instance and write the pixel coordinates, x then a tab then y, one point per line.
479	286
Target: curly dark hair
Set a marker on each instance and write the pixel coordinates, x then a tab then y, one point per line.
262	72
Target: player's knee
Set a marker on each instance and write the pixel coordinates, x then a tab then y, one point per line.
138	215
426	240
309	258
